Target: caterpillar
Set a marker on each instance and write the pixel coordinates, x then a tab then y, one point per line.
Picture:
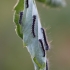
46	65
47	47
27	5
40	40
33	25
20	18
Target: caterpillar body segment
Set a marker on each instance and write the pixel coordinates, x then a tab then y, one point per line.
45	41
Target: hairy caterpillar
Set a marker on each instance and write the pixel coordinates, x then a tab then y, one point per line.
40	40
27	5
20	19
33	25
47	47
46	65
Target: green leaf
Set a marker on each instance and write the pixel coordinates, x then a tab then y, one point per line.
32	43
18	8
41	66
18	26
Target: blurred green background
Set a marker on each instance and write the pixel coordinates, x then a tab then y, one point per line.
12	54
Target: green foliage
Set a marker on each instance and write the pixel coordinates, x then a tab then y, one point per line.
18	26
41	1
18	8
39	65
53	3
